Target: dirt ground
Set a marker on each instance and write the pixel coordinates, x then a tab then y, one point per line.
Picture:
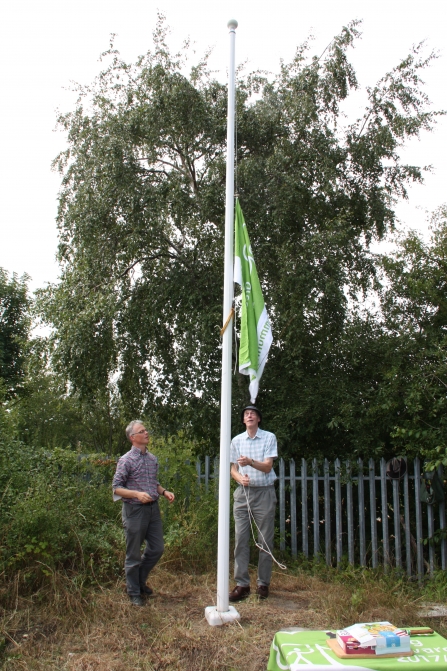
68	627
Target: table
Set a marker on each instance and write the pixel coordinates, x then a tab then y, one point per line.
292	650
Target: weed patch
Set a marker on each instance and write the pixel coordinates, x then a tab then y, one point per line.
80	627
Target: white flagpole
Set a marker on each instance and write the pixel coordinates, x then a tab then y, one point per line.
223	612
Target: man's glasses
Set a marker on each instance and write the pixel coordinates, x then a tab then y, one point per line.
140	433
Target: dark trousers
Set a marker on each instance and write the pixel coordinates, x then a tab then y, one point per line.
142	523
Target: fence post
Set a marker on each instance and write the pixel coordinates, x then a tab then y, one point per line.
417	494
282	506
442	525
407	523
316	509
362	514
293	508
385	537
304	506
199	476
338	519
431	530
397	543
350	513
216	477
327	513
373	511
207	473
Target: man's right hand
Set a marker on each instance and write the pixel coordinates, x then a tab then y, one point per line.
143	497
244	480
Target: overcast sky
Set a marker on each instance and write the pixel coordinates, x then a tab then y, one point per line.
45	45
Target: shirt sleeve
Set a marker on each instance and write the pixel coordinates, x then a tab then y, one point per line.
234	453
120	477
271	448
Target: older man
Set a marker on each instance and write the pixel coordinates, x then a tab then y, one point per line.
136	483
251	455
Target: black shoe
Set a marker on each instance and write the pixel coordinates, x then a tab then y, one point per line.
240	592
145	590
136	600
262	591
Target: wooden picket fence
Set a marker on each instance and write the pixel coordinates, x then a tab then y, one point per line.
353	513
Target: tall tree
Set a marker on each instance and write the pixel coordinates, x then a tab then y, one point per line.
14	331
141	223
47	414
415	320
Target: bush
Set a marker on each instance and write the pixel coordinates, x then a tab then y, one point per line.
57	512
191	535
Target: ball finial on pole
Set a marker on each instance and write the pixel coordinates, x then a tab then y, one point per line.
232	24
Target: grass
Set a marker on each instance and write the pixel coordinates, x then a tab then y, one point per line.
65	625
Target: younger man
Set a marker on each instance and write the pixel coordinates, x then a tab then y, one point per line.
252	454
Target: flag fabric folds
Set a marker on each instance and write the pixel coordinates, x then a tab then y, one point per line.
256	332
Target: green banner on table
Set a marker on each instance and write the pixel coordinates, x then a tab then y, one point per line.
292	651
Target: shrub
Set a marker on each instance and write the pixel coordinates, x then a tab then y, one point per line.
57	511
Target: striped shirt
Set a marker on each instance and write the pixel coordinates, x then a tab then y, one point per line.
262	446
138	471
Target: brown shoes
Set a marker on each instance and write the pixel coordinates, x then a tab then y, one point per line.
240	592
262	591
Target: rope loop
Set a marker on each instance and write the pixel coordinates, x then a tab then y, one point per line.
263	547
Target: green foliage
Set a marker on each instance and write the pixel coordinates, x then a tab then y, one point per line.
47	414
415	323
385	391
57	512
191	524
191	536
435	590
14	329
141	222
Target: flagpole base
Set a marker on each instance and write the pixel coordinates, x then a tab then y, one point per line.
216	618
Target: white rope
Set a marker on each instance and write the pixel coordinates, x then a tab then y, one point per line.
251	517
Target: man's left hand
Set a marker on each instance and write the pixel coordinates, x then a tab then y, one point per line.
169	495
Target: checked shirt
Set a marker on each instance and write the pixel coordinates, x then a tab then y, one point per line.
261	447
138	471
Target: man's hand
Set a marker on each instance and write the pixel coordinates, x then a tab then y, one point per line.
244	461
169	495
240	478
143	497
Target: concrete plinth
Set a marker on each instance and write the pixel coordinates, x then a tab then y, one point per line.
216	618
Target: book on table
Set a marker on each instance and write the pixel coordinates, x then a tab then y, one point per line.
374	638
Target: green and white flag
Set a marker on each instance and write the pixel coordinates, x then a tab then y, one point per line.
256	331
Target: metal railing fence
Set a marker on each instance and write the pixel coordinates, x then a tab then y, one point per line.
352	513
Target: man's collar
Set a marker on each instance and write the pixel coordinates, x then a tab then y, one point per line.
134	449
256	434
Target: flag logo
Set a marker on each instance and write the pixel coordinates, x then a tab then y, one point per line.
256	331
